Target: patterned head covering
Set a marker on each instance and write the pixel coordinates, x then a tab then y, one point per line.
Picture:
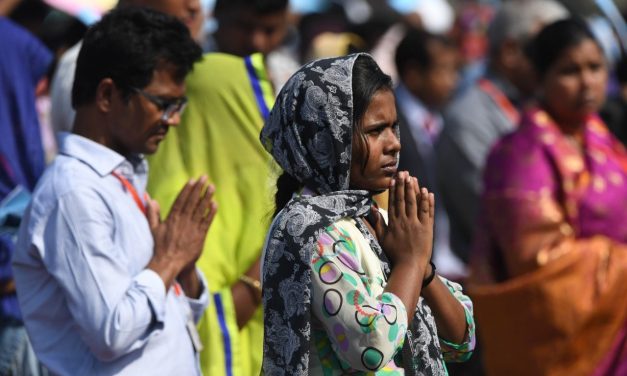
309	134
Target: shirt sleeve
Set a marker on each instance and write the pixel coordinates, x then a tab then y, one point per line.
115	311
199	304
460	352
365	330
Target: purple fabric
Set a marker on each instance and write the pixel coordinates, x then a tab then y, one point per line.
539	160
593	190
23	61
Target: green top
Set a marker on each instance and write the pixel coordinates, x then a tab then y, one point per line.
219	136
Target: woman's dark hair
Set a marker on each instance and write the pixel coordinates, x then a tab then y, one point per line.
367	80
127	45
551	42
286	185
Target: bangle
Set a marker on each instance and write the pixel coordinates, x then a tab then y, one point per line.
252	283
428	280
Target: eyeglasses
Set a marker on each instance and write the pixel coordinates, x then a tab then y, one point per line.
170	107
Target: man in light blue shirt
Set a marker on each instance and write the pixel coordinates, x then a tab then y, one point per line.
105	286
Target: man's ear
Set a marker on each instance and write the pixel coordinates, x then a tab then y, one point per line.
105	93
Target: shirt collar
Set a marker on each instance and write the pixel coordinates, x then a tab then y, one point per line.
411	105
415	112
99	157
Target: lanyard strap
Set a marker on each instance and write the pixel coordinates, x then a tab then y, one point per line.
131	189
501	100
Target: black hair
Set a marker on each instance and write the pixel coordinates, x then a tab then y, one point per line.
127	45
553	39
621	69
367	79
414	49
258	6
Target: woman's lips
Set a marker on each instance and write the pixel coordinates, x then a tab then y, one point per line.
390	168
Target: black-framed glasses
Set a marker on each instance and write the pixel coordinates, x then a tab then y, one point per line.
170	107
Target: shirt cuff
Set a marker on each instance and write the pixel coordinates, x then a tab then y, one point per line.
152	285
199	304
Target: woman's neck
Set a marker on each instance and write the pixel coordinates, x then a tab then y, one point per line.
573	126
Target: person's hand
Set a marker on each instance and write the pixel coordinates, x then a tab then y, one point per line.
180	238
408	236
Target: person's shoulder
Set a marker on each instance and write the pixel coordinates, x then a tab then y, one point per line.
470	107
469	99
514	156
12	32
66	178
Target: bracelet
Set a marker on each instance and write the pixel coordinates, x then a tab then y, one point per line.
428	280
252	283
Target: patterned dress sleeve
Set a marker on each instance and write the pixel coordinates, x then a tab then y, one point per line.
365	325
460	352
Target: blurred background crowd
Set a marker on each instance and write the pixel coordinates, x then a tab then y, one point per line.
462	80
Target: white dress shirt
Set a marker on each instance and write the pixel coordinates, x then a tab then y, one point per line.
89	304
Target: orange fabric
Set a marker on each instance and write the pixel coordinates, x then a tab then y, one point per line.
570	310
550	294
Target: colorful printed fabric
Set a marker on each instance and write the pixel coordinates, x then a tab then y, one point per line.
352	311
218	135
550	257
309	134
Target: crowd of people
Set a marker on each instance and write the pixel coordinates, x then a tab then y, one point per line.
371	188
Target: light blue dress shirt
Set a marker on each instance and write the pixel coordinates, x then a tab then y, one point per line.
90	306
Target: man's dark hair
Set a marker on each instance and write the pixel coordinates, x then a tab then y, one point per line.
414	49
258	6
127	45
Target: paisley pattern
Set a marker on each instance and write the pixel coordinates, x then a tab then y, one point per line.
309	134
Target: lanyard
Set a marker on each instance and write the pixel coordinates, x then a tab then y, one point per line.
501	100
178	291
131	189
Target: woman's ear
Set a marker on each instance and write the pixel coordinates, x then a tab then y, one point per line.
105	94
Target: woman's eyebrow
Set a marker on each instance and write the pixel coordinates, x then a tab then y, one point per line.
380	124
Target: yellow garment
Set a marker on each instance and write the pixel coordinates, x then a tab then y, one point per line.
219	136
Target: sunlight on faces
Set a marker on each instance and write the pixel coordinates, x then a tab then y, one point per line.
373	164
137	125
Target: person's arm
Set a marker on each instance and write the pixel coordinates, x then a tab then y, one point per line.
407	238
354	318
247	295
196	290
180	238
453	313
114	312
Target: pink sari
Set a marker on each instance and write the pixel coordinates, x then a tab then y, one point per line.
549	266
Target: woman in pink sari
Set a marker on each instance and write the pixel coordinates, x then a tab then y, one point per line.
549	266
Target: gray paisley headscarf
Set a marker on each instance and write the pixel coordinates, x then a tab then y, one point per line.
309	134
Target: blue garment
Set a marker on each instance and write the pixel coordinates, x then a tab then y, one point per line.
23	62
90	307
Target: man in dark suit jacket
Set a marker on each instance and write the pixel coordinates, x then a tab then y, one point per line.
427	67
